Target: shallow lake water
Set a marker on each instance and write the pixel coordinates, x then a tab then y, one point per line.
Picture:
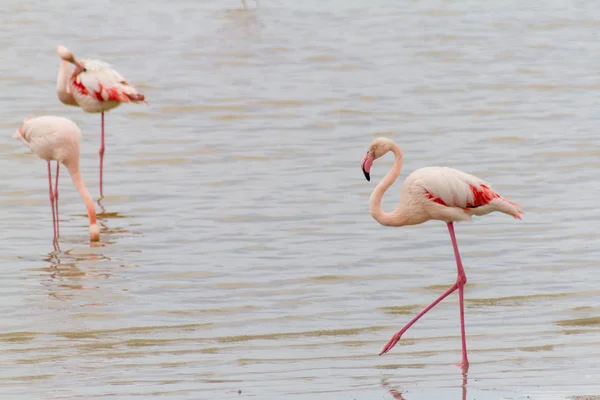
238	257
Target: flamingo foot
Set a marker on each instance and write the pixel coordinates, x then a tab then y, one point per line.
391	343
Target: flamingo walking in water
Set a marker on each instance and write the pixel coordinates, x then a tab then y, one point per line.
443	194
95	87
57	139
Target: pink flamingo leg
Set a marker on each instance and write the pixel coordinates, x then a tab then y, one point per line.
51	199
460	283
56	200
101	152
392	342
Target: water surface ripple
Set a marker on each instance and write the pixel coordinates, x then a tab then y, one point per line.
238	257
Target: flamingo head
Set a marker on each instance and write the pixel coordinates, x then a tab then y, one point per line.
378	148
66	55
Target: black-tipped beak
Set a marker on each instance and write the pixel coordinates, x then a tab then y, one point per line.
366	164
367	175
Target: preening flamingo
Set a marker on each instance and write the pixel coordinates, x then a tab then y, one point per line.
443	194
95	87
57	139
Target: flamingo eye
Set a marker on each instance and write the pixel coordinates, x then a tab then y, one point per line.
85	70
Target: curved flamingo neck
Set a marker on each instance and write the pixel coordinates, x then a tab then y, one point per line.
62	84
398	217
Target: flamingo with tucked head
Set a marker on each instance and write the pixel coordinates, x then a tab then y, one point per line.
57	139
443	194
95	87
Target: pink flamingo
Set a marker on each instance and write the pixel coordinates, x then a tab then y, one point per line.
443	194
95	87
57	139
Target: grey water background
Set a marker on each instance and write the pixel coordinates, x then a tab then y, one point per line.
238	258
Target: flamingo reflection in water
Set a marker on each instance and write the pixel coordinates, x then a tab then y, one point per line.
396	394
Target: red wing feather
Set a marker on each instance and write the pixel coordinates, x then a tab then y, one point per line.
114	94
431	197
482	195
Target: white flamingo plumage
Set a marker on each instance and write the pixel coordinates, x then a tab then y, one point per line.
443	194
57	139
95	87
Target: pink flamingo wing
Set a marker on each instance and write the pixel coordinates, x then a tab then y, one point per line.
105	84
453	188
101	93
